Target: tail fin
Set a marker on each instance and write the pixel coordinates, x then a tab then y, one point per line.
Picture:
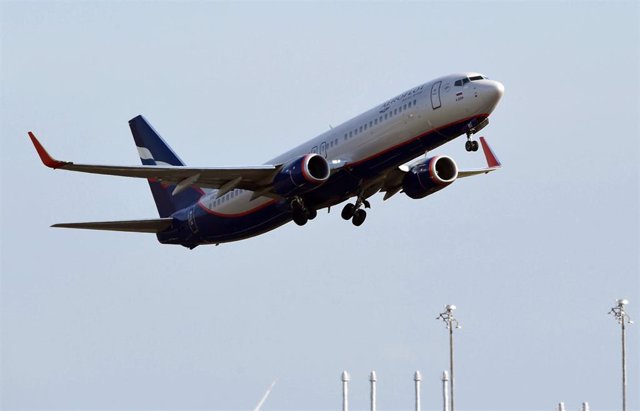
154	151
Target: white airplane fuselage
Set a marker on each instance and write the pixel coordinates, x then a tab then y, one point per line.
377	140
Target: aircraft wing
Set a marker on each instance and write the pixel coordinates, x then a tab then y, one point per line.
225	178
393	180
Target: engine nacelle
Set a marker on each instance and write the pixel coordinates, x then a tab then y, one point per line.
301	175
430	176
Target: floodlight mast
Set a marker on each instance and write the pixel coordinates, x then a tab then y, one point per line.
623	318
450	322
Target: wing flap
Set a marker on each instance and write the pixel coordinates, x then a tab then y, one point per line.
392	183
155	225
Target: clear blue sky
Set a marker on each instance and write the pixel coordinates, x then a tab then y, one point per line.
533	255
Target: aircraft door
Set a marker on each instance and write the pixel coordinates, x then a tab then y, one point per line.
435	95
323	149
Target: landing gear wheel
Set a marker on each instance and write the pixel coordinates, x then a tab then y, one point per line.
300	217
347	211
299	212
474	146
312	214
358	217
468	145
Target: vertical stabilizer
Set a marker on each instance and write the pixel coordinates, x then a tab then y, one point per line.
154	151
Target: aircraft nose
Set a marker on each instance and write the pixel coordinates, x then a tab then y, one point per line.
492	93
495	90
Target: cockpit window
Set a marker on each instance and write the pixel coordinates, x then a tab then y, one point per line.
465	80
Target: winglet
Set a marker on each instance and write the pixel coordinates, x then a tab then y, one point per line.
46	159
492	160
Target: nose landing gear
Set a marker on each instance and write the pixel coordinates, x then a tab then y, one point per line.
471	145
473	128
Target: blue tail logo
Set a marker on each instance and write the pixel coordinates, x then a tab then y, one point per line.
153	150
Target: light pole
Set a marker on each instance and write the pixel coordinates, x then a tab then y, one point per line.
417	378
372	380
623	318
451	323
345	390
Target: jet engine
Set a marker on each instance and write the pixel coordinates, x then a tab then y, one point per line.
301	175
429	176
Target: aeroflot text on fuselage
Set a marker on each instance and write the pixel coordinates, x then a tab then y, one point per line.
402	96
371	153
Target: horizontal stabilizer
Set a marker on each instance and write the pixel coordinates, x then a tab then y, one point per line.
155	225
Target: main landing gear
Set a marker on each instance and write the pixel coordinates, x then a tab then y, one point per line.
302	214
354	213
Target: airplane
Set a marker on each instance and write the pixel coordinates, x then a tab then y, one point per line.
378	151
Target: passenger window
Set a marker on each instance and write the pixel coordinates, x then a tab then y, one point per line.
414	102
385	116
375	121
365	126
360	130
395	111
404	107
350	134
370	123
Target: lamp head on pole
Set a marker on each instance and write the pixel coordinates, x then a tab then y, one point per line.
448	318
619	313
